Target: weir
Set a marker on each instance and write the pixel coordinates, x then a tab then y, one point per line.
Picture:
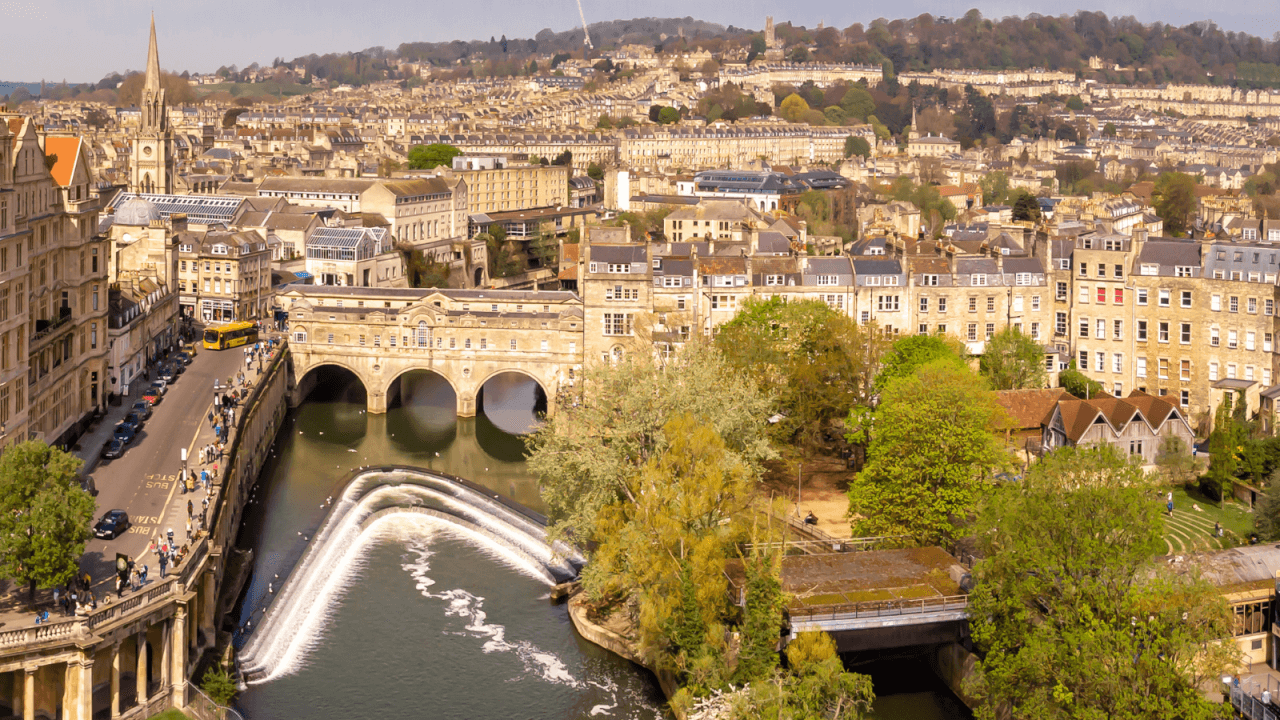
297	608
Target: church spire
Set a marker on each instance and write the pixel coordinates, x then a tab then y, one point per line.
153	61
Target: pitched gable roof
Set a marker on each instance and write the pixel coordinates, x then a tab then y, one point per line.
67	152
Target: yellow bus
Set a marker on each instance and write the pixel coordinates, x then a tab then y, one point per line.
230	335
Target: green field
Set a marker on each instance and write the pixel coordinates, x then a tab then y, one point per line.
271	89
1191	530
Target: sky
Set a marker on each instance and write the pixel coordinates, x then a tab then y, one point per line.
82	41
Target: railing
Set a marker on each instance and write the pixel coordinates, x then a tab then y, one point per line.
879	608
835	545
1252	707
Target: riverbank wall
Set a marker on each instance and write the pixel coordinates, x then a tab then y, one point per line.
135	657
617	644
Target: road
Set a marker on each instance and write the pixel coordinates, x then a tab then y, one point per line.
143	480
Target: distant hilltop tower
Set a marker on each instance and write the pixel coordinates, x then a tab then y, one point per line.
769	38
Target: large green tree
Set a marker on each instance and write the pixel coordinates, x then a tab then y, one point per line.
932	449
1174	200
821	362
611	423
1071	617
1011	360
1266	518
44	516
913	351
815	687
425	157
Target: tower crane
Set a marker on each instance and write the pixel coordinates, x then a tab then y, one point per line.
586	37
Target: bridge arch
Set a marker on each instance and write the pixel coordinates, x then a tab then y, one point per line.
309	378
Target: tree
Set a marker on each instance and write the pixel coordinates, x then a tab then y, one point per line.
606	430
1071	618
604	123
219	685
1079	384
1174	200
1011	360
668	116
1175	462
425	157
595	172
44	516
821	361
502	260
546	248
932	445
914	351
858	103
1026	207
793	108
1266	518
854	145
1225	444
1075	103
995	187
425	271
1109	129
817	686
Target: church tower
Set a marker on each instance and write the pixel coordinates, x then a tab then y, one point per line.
152	167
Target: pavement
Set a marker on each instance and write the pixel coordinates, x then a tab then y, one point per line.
143	481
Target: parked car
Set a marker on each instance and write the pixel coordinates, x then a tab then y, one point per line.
142	408
159	387
177	367
185	357
111	525
151	397
124	433
166	374
133	419
113	450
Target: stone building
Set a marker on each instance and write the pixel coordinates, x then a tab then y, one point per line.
224	276
151	167
496	185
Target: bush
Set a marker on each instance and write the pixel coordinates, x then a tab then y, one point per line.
218	685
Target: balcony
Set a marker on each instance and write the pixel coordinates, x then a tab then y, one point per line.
47	327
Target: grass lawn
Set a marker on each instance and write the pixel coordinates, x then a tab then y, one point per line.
170	714
1191	529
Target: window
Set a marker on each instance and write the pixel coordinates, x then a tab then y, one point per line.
1164	368
942	304
1142	330
1268	307
991	330
1023	279
330	338
544	346
1060	323
1266	342
1117	271
887	303
929	280
1084	270
1249	340
1084	359
834	280
1185	333
923	329
1141	370
1102	294
1164	298
1184	398
1061	293
1117	363
1253	306
1102	270
1118	296
512	344
924	304
1233	304
1101	361
973	332
1084	293
1035	331
1248	372
1100	329
614	324
1215	303
1214	338
1233	339
1182	271
1231	371
991	303
1117	329
453	343
973	304
1186	298
1184	372
977	279
1017	303
1035	303
1141	296
1164	332
1084	327
1135	447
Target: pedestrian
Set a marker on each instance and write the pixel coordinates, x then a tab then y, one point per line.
164	564
188	529
56	596
211	412
1266	697
191	508
142	575
204	481
170	534
88	582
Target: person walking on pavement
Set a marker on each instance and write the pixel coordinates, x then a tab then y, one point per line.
188	530
191	508
1169	504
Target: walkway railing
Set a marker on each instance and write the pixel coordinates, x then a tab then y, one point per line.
836	545
1251	706
878	608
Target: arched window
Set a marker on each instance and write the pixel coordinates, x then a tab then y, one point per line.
424	335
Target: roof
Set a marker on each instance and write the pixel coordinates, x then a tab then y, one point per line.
1031	408
1079	415
67	152
1023	265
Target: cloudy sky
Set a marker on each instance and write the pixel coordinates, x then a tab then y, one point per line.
81	41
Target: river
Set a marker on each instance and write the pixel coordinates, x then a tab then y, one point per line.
429	622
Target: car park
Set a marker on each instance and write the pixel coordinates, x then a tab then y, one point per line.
143	409
113	449
112	524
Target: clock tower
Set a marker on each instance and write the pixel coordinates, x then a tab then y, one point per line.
152	168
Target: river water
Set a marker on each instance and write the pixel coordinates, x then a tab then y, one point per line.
432	623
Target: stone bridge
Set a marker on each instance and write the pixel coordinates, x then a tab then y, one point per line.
465	336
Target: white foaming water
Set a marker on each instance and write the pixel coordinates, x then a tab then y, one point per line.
292	626
463	604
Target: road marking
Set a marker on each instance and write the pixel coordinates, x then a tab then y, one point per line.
174	488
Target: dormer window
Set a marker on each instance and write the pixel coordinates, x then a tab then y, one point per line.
977	279
1150	269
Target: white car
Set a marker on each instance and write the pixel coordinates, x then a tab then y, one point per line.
160	387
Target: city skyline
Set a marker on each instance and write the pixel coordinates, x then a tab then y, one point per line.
109	35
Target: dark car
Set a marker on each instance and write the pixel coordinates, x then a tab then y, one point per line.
111	525
142	409
166	374
177	367
184	358
133	419
124	433
113	450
